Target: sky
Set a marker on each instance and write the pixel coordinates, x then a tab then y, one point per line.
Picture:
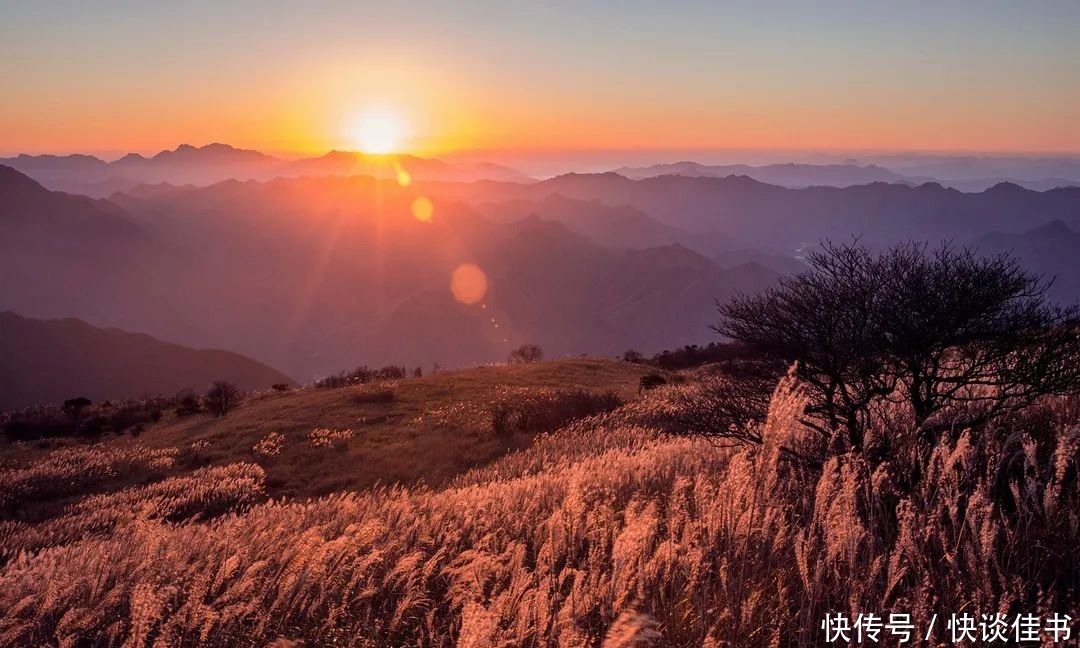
295	77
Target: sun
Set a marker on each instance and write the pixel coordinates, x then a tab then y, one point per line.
378	133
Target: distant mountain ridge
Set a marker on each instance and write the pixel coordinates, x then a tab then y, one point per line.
27	203
216	162
1051	249
763	216
974	169
791	175
48	361
317	273
205	165
798	176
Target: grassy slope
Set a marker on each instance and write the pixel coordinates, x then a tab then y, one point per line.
436	428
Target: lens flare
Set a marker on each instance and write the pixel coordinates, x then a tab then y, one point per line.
468	283
423	209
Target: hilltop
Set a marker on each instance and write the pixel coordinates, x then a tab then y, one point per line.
417	429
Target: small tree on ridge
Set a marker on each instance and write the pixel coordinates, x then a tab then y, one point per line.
222	397
526	354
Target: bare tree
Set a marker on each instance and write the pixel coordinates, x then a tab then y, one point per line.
526	354
940	330
724	406
823	319
222	397
971	332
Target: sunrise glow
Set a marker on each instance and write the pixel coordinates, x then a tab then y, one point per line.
388	79
377	133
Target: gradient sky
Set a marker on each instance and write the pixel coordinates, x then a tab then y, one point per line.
291	76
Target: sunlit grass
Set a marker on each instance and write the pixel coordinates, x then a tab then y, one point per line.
605	532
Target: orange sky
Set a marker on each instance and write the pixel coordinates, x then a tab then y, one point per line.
276	77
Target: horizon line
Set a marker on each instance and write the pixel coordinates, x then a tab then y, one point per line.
111	155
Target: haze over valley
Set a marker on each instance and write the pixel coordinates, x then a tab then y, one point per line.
316	265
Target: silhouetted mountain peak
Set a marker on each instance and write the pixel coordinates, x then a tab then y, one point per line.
74	157
26	203
1054	229
535	226
672	255
179	150
56	358
13	182
742	180
335	153
210	152
576	175
1006	187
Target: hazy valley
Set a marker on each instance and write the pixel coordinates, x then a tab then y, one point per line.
318	273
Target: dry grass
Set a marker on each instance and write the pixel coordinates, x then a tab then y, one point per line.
433	429
603	533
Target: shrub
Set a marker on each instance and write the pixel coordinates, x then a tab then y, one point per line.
95	426
376	394
693	356
222	397
630	355
129	415
280	387
74	407
548	410
327	437
651	381
39	423
526	354
359	375
188	403
332	382
270	445
389	372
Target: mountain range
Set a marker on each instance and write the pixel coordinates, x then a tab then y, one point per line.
1050	250
312	275
964	174
790	175
324	271
752	214
92	176
978	172
204	165
47	361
